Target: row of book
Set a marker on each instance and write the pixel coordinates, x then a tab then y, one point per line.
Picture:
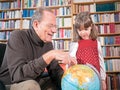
58	12
106	18
93	7
10	5
10	14
64	11
97	18
64	22
10	24
110	40
61	22
62	33
26	24
111	51
32	3
109	28
35	3
28	13
112	65
113	82
61	44
80	8
106	7
76	1
5	35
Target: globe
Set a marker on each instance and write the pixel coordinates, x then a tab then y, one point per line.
80	77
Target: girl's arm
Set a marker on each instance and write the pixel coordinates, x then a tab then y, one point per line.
72	52
73	49
102	65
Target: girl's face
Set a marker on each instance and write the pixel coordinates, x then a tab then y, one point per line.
84	33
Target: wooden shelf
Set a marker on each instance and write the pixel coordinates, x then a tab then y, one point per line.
103	23
12	9
106	1
65	16
10	29
111	57
110	34
6	0
65	27
3	41
113	72
61	38
83	3
104	12
7	19
115	45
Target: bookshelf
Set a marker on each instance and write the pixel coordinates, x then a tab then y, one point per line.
10	18
22	15
62	38
106	15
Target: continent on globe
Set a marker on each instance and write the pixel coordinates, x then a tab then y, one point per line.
81	77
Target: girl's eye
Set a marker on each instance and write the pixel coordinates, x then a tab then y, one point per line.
79	30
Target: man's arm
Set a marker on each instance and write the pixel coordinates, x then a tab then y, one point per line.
20	66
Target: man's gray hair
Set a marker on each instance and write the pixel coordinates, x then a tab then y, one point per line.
39	14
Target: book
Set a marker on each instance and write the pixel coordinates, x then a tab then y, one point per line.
105	7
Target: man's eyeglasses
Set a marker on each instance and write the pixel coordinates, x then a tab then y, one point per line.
51	26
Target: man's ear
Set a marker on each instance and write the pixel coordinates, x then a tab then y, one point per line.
35	24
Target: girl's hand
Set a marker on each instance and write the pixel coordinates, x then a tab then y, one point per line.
73	61
103	85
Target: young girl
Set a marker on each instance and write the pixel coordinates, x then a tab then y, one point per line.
87	49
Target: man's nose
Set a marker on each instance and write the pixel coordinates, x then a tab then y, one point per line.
54	30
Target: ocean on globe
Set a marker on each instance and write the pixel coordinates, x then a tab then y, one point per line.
80	77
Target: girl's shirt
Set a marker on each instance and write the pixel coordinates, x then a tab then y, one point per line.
73	50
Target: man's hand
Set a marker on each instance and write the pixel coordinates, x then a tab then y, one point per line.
60	55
